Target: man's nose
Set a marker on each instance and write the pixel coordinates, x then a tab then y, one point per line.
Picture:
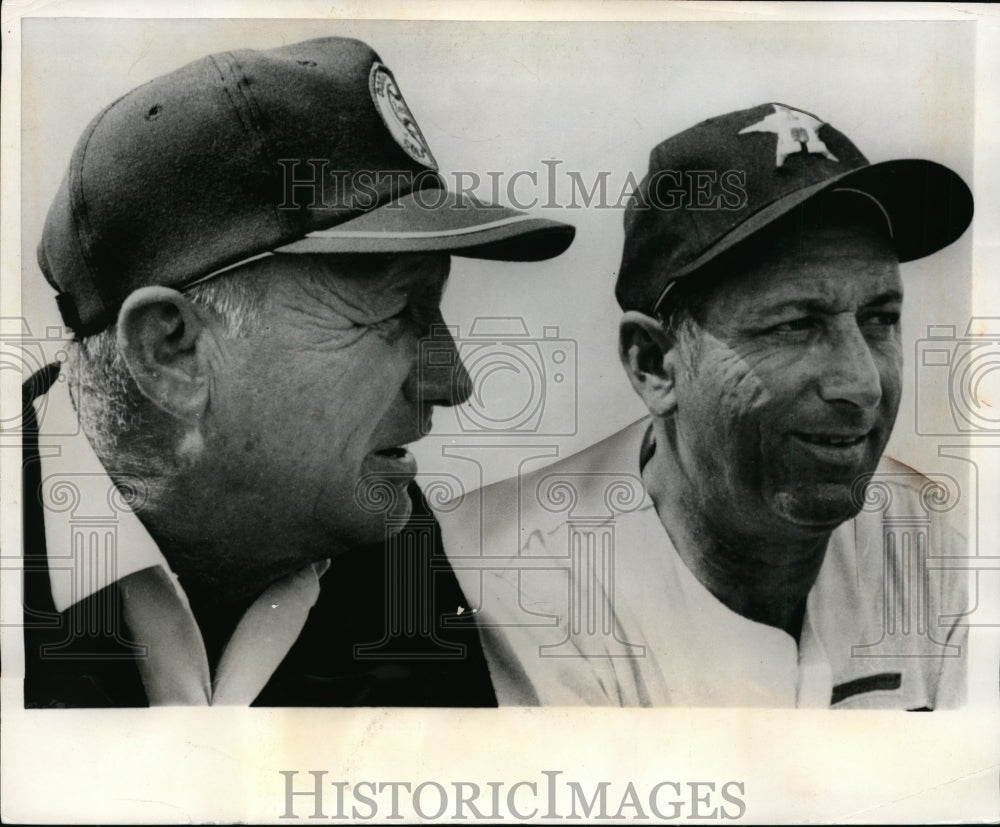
850	373
439	377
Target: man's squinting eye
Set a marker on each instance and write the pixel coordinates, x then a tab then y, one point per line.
798	325
882	317
421	314
874	319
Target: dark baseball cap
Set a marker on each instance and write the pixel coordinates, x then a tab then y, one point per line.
307	148
720	182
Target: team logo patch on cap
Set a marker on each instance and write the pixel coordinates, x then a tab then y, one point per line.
796	132
397	115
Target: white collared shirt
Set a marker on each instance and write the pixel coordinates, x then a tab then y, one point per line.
94	539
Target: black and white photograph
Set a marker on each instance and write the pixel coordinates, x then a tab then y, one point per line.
527	413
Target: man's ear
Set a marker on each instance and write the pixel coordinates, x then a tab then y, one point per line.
650	359
162	337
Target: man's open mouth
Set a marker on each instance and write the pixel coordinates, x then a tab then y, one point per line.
844	449
396	452
834	440
394	461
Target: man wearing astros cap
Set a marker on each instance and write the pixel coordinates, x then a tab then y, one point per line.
249	251
759	554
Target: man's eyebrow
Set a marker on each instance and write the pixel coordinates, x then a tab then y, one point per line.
888	297
814	304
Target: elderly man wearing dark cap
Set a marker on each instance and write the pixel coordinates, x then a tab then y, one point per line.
762	294
249	251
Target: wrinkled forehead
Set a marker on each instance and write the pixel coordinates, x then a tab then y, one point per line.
365	287
376	274
845	263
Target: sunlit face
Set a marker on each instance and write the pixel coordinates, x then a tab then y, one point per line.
793	384
316	409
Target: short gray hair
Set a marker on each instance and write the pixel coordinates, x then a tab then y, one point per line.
683	312
130	435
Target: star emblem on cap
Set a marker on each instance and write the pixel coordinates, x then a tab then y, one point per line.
796	132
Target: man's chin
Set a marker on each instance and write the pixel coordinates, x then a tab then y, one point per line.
817	506
383	498
381	511
378	528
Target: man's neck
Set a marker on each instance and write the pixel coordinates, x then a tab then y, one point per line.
767	582
217	619
765	577
218	598
223	560
219	535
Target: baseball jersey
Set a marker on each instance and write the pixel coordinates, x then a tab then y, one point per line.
583	599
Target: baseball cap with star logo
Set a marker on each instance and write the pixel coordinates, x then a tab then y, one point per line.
306	148
720	182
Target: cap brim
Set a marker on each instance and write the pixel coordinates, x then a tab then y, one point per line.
432	220
927	205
